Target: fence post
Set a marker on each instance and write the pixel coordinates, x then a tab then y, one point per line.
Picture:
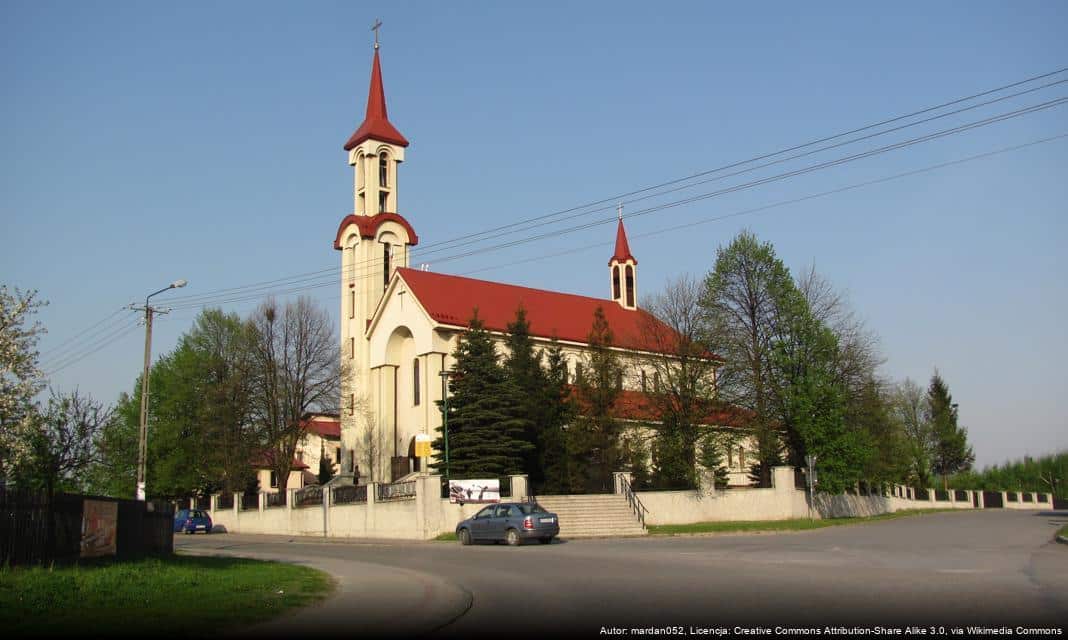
261	501
213	500
519	487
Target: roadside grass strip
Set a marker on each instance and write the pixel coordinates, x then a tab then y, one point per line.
797	524
169	596
1062	535
449	536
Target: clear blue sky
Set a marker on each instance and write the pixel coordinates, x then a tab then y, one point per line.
146	142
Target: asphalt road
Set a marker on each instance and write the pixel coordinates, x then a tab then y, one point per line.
988	568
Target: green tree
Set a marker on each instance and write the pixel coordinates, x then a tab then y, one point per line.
871	410
554	460
523	367
682	363
741	306
951	450
812	399
594	436
908	407
20	377
713	445
486	426
326	466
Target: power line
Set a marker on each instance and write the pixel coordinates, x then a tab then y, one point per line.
750	211
479	236
82	333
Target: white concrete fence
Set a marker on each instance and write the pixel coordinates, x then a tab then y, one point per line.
416	511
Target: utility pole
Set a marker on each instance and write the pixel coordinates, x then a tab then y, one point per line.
445	416
142	444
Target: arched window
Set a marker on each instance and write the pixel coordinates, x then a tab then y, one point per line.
615	282
415	382
656	382
630	286
387	254
644	389
361	171
383	197
383	170
578	371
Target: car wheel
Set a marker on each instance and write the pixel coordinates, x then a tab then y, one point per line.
465	537
548	540
512	538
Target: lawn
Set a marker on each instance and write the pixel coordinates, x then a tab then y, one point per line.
168	596
1063	533
799	524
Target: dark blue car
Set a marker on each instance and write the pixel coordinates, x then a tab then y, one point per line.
511	522
192	520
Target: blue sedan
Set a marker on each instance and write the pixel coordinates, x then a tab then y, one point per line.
512	522
192	520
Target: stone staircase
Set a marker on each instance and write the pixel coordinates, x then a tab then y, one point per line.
593	516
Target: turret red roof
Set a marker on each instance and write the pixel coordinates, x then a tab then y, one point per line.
622	253
452	300
376	122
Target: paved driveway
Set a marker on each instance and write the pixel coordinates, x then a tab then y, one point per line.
992	568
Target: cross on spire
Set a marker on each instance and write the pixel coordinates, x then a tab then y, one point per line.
375	28
619	210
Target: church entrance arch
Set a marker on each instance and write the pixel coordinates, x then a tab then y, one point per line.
400	352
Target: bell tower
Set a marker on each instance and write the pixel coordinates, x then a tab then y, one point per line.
374	240
623	269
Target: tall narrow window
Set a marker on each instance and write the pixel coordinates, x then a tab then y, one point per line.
615	282
730	456
274	479
619	381
352	403
644	390
383	170
415	382
386	255
630	286
741	457
382	196
352	304
352	347
578	371
656	382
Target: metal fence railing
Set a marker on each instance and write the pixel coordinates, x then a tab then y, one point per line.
308	497
348	494
395	491
250	501
960	495
202	502
276	499
225	501
941	495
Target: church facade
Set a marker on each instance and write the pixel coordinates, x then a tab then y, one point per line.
400	326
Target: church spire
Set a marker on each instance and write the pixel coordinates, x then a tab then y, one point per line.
376	124
623	268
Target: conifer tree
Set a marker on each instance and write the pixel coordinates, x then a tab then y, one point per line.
595	438
711	458
523	367
486	426
554	462
951	450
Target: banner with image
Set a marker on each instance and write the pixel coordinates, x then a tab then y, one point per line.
475	491
99	528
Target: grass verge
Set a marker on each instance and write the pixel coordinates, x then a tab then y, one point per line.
800	524
449	536
1063	533
169	596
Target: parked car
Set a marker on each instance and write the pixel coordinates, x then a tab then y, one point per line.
511	522
192	520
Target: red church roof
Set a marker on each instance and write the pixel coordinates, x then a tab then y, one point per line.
324	428
622	253
635	405
376	122
452	300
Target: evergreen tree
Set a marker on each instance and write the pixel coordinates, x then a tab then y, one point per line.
554	462
635	456
523	367
594	441
711	458
951	450
326	466
486	425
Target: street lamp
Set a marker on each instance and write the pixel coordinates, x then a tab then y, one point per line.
445	416
142	446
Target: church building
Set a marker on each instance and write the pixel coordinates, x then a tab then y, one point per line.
400	326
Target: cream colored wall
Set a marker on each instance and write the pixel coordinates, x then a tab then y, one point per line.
365	176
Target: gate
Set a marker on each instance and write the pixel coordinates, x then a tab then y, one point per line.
992	500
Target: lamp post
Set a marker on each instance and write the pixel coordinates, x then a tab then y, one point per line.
142	445
445	416
810	479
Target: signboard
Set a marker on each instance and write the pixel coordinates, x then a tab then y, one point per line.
99	528
422	445
475	491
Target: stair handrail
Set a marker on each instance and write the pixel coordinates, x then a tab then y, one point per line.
633	499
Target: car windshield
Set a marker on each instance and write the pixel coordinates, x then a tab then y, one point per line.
197	514
528	509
